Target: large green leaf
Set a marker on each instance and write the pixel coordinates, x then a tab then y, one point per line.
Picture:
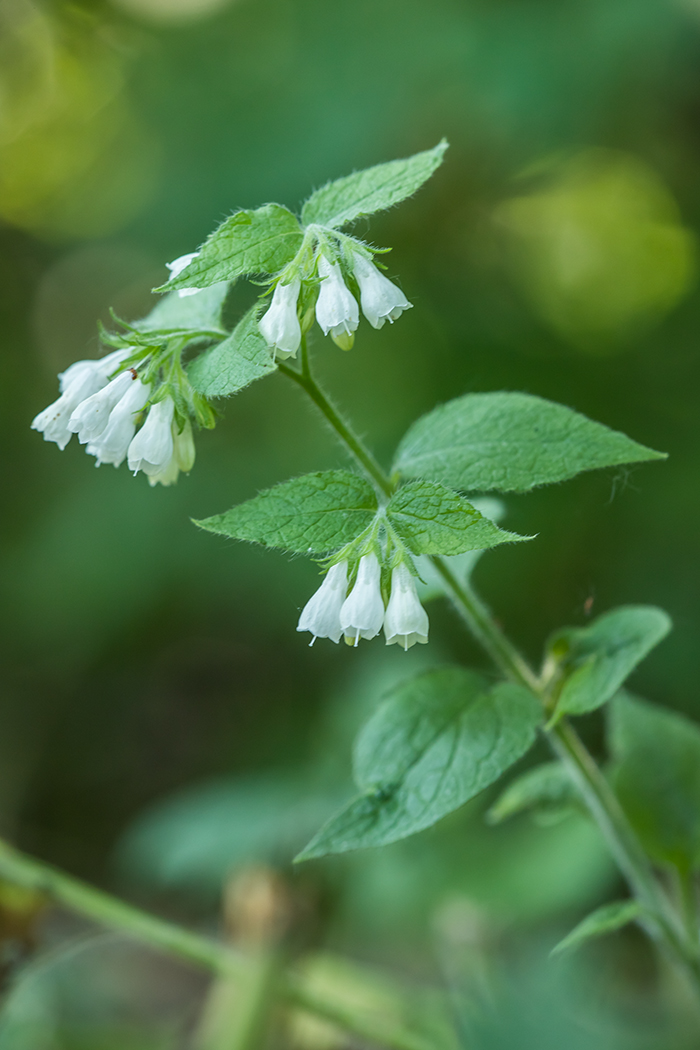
604	920
373	189
657	777
248	242
432	519
510	442
596	660
235	362
434	743
200	311
314	514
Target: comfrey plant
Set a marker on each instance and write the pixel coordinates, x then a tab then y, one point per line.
441	738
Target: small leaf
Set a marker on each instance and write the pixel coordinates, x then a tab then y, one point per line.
432	519
433	744
547	787
510	442
248	242
314	514
200	311
235	362
598	659
603	920
657	778
371	190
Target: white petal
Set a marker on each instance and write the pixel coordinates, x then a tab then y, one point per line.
152	448
336	308
112	444
280	325
321	614
381	299
90	417
53	421
181	459
406	620
362	612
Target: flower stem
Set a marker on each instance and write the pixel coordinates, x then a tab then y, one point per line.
78	896
661	920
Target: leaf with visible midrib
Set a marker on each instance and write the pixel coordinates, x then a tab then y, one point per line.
510	442
434	743
371	190
313	514
199	311
235	362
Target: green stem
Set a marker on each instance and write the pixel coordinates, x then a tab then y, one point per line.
78	896
662	923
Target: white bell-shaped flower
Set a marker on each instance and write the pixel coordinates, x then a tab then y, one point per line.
406	621
337	311
321	614
78	382
111	445
280	326
362	612
177	266
152	448
182	458
91	416
380	299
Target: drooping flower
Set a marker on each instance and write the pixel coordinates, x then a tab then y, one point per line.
381	300
182	458
112	444
337	311
321	614
177	266
362	612
406	621
152	448
90	417
78	382
280	326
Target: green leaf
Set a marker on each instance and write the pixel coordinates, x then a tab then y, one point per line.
596	660
314	514
547	788
432	519
373	189
249	242
657	778
603	920
200	311
434	743
235	362
510	442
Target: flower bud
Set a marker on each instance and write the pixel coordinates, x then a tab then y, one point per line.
152	448
337	311
362	612
406	620
280	326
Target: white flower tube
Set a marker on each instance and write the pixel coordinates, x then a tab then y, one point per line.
406	620
77	383
362	612
380	299
321	614
177	266
182	458
91	416
152	448
104	366
280	326
112	444
337	311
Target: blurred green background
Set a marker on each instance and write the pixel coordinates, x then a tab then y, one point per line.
161	720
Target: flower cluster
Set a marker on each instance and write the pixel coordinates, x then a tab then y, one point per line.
103	402
336	308
332	611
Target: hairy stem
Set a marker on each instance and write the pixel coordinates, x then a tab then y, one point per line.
78	896
661	920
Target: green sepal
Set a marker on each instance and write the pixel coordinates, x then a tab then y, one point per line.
434	743
234	363
371	190
604	920
510	442
594	661
259	241
313	514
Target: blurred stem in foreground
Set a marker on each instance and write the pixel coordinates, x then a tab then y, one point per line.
661	920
